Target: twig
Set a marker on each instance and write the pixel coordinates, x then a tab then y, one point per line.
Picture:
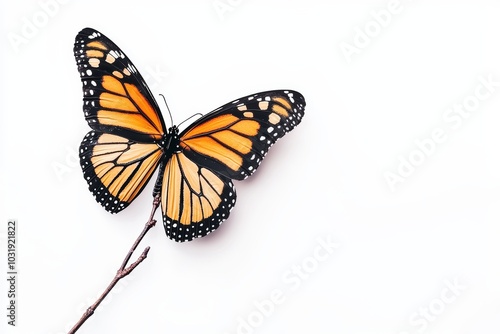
124	270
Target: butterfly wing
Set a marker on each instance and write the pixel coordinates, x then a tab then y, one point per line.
116	98
116	168
228	143
195	199
233	139
121	153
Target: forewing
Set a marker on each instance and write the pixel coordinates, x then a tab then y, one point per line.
116	98
233	139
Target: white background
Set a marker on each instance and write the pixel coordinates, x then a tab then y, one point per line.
398	249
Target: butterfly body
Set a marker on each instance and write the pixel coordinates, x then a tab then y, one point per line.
196	166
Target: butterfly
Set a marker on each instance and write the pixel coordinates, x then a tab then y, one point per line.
197	166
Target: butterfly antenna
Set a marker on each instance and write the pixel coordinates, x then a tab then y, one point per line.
169	113
187	119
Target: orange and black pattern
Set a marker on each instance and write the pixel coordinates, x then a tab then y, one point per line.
197	166
235	137
116	168
116	98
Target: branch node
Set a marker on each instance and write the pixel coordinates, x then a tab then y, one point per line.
90	311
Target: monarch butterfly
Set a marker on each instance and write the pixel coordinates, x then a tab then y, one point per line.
129	141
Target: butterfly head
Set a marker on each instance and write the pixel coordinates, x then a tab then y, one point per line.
173	131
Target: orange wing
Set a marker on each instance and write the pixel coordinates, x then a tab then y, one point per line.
115	97
233	139
194	200
116	168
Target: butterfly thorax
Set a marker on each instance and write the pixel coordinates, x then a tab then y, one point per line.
170	142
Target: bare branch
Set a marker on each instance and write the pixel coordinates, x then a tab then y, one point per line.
124	270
